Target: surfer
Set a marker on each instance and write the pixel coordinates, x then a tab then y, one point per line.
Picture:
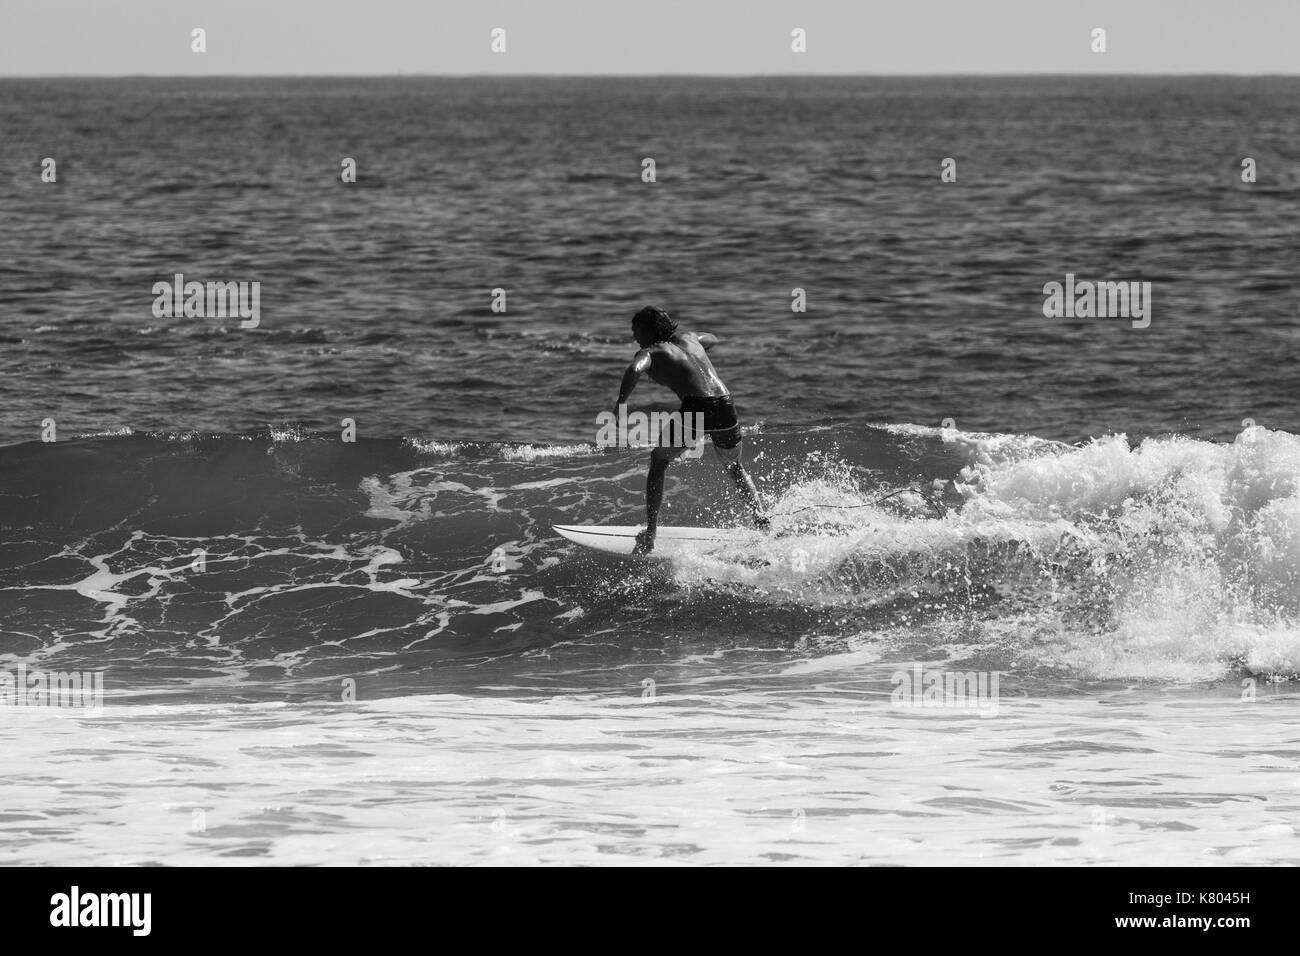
678	360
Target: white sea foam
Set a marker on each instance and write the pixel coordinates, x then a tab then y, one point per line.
540	452
431	447
1176	559
505	452
786	770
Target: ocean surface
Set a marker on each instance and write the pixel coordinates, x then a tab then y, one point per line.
377	651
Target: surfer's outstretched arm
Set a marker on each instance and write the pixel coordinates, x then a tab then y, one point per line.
630	377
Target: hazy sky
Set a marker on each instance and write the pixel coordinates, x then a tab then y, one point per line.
651	36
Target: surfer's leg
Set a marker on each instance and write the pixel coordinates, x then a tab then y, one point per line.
660	459
744	484
723	427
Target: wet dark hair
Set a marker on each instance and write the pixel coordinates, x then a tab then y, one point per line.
657	321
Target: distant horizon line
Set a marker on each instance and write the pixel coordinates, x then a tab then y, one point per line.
629	76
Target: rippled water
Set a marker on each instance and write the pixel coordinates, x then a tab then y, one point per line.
924	298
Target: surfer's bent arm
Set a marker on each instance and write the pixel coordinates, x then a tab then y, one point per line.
707	340
639	365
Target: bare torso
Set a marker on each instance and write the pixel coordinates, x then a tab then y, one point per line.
683	366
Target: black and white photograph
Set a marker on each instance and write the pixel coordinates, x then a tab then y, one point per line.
558	433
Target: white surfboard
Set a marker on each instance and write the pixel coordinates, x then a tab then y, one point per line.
669	542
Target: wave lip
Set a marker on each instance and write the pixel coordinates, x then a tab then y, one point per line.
1194	561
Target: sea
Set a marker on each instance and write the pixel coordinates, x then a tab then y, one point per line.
1032	591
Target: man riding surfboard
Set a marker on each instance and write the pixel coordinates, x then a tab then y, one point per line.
678	360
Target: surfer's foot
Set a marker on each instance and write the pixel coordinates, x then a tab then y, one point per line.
645	542
762	523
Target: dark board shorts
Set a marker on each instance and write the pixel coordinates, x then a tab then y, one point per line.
719	418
